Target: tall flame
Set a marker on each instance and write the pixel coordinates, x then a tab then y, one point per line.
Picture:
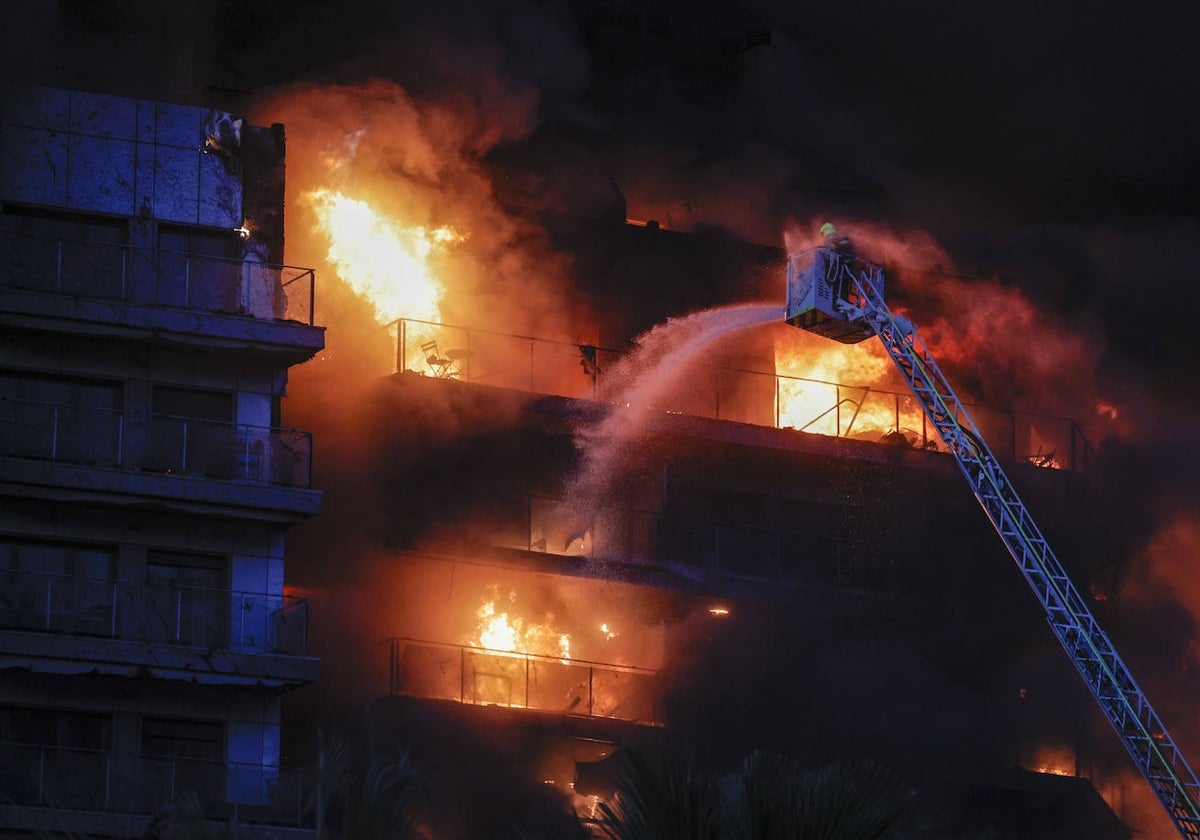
382	259
810	399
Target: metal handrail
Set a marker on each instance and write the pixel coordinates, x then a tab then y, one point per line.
174	614
157	277
155	443
71	779
557	684
553	366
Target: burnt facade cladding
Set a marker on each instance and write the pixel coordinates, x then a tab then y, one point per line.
146	633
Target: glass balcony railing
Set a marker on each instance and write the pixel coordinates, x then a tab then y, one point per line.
140	277
715	548
221	619
481	677
154	443
100	781
725	393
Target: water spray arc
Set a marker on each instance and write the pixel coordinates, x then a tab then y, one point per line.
842	298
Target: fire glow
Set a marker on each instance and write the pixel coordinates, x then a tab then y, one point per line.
496	631
810	400
381	259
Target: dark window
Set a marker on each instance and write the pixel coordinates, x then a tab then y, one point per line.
68	419
192	432
31	221
55	728
187	598
183	739
61	390
57	587
184	756
193	403
63	252
200	268
200	242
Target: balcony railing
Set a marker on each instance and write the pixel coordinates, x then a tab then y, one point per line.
726	393
720	549
154	443
99	781
140	277
481	677
218	619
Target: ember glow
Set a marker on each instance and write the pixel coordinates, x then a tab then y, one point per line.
810	400
1056	760
382	259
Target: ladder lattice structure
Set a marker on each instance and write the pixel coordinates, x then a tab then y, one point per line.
1147	740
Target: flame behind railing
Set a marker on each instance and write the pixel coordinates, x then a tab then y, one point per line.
577	371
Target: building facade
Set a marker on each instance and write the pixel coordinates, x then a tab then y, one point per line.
146	634
725	583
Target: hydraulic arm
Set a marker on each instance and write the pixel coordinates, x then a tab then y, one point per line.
855	302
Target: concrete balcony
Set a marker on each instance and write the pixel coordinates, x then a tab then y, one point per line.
481	677
114	291
74	791
65	452
74	623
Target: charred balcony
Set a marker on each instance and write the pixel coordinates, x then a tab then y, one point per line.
51	449
102	289
739	393
556	685
176	631
645	541
104	792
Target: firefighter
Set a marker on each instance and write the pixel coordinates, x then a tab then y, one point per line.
843	251
837	242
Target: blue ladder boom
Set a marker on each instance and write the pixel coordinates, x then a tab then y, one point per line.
1136	723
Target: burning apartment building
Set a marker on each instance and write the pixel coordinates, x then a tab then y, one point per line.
583	490
146	484
684	522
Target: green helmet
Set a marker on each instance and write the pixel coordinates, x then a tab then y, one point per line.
828	229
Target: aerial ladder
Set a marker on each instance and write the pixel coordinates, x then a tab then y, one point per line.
841	297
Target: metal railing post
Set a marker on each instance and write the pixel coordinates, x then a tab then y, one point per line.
183	455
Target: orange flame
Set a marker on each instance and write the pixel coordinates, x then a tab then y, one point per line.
497	631
812	399
382	259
